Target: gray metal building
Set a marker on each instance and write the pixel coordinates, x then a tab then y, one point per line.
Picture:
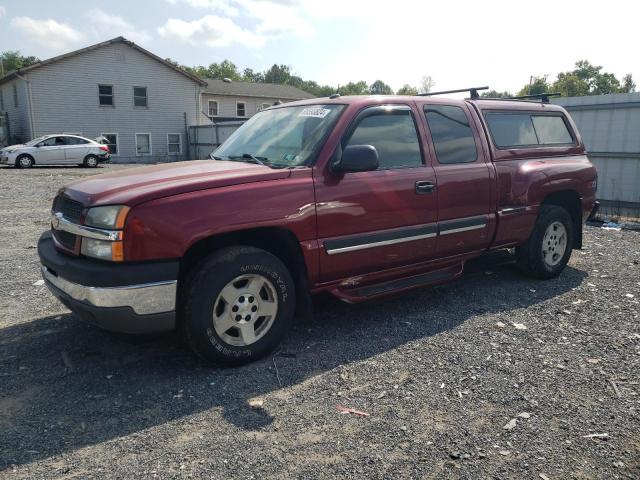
610	128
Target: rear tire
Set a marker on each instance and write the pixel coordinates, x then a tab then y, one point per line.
238	305
90	161
547	251
24	161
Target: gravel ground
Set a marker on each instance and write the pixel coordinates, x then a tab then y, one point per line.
492	376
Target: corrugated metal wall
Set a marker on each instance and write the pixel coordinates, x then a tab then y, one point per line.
610	127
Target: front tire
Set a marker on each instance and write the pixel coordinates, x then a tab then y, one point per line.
90	161
238	305
547	251
24	161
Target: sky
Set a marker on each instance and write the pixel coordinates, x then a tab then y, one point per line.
458	43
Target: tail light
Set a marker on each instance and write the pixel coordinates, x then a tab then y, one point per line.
104	148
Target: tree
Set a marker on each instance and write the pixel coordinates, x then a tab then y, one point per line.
628	85
248	75
589	79
407	89
570	85
278	74
426	84
358	88
537	85
380	88
496	94
224	69
12	60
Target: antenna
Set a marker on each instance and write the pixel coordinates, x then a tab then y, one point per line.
473	92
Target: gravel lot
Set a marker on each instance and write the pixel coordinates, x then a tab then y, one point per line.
492	376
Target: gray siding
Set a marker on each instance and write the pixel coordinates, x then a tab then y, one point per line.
227	105
65	99
19	126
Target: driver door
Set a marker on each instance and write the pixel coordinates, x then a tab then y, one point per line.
50	151
382	219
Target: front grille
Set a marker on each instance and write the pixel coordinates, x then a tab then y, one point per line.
71	209
66	239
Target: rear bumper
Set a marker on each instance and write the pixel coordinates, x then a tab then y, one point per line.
128	298
106	158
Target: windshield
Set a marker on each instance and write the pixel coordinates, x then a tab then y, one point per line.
281	137
31	143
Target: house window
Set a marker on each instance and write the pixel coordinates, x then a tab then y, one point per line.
143	144
241	109
140	97
105	95
174	143
263	106
110	140
15	95
213	108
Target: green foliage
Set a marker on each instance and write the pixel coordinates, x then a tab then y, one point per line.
380	88
12	60
495	94
426	84
407	89
538	85
584	79
357	88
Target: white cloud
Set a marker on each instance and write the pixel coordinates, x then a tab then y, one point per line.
3	11
276	18
211	30
47	33
224	7
108	25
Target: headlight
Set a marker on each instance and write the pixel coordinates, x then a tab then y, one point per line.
111	216
102	249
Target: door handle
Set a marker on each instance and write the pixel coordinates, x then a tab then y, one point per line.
424	186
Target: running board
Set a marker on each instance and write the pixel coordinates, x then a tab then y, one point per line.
377	290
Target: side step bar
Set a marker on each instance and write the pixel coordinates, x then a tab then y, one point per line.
391	287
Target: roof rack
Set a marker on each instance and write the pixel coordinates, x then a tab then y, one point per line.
473	92
543	97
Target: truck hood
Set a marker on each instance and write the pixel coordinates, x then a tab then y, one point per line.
137	185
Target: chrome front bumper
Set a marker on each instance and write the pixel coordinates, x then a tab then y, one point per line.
144	299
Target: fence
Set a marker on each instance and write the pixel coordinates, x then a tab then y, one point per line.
204	139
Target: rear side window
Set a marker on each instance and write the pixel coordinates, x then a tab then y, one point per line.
452	136
512	130
393	135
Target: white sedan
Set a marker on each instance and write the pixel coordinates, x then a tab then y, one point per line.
55	150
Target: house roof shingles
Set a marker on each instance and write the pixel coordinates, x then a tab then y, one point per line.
251	89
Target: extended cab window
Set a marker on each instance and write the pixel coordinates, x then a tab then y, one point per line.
451	133
513	130
394	136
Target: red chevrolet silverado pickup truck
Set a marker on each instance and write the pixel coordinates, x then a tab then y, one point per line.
362	197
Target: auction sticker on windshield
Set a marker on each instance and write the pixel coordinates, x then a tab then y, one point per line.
317	112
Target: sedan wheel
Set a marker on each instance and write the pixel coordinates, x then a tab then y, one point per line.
24	161
91	161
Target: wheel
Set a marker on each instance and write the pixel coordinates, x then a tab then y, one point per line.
90	161
238	304
24	161
548	249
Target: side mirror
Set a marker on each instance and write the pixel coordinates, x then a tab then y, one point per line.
356	158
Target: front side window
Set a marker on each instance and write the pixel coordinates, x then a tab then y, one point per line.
111	140
143	144
213	108
282	137
53	142
140	97
394	136
451	133
174	145
105	95
241	109
514	130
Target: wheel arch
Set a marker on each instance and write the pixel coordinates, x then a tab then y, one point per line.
571	202
278	241
26	154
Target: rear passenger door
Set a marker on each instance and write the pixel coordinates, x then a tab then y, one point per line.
464	180
76	149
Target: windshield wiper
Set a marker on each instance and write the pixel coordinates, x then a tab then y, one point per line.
248	156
